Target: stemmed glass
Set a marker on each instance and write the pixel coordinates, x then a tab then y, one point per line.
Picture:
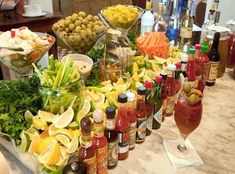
187	117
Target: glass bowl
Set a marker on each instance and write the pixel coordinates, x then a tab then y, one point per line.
123	21
21	61
76	43
58	100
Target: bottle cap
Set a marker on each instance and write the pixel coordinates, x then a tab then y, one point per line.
130	96
141	90
163	75
158	79
191	51
98	115
204	49
110	111
184	58
171	67
178	65
86	124
198	46
122	98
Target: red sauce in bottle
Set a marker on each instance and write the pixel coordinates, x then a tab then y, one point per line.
100	142
131	112
141	115
191	66
87	152
123	128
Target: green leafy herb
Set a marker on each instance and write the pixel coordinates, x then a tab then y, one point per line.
132	37
95	54
93	79
16	97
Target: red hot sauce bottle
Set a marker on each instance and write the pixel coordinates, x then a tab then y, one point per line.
100	142
123	128
141	115
86	151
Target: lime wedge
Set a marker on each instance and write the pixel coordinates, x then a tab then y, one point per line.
46	116
83	112
28	115
25	141
74	125
38	123
63	139
73	145
64	119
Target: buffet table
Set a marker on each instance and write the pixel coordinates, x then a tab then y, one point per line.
214	140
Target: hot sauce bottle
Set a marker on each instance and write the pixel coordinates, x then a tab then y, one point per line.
100	142
170	89
112	137
131	112
141	115
164	95
191	67
149	105
86	151
122	127
157	117
198	68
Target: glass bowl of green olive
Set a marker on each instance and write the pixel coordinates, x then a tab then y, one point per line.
80	31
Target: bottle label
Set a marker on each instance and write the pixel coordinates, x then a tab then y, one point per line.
132	134
158	115
170	105
146	28
149	124
91	165
110	124
213	71
141	129
186	32
102	159
183	67
123	142
113	153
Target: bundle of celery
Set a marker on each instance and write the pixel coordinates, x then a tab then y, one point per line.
61	85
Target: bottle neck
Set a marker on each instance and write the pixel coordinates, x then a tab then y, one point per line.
86	139
171	74
148	5
215	44
110	124
98	129
141	102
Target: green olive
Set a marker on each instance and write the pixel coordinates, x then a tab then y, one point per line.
71	27
67	22
19	63
74	17
78	29
82	14
89	17
78	23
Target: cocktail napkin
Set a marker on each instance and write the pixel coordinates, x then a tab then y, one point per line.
177	162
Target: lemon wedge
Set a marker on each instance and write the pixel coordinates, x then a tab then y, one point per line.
44	145
36	139
38	123
52	155
46	116
64	119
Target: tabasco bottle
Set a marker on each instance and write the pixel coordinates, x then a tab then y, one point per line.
132	114
157	117
205	65
100	142
141	115
112	137
164	95
122	127
149	105
86	151
170	89
198	68
214	58
191	67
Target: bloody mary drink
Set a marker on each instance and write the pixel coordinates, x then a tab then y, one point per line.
187	117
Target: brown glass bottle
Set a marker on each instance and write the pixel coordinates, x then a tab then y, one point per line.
214	58
112	137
